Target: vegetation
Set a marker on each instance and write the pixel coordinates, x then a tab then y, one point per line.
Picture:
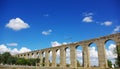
7	58
109	63
118	58
117	51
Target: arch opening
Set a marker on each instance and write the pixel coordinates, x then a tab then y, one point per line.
67	50
32	55
50	58
58	57
110	47
38	55
79	56
43	59
93	51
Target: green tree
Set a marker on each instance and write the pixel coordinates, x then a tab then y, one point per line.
0	58
118	58
117	51
109	63
5	57
12	60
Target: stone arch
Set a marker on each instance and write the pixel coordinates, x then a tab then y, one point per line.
110	48
21	56
79	55
67	55
37	55
24	55
58	57
43	58
50	57
93	54
32	55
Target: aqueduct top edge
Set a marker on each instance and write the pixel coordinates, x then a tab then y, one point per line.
79	42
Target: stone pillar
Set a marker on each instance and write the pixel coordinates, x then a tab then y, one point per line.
41	59
53	58
62	57
21	55
30	55
118	51
73	57
86	56
46	59
35	54
26	56
102	54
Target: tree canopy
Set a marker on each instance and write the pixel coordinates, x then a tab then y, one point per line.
7	58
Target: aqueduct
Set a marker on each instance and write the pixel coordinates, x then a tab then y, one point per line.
73	64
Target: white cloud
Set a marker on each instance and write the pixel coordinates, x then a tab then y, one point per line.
47	32
107	23
93	52
12	44
56	43
87	19
24	49
116	29
110	52
14	51
17	24
4	48
93	56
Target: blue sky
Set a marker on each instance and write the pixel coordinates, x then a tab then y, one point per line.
47	21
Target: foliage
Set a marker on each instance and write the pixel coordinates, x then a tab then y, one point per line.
117	51
109	63
7	58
